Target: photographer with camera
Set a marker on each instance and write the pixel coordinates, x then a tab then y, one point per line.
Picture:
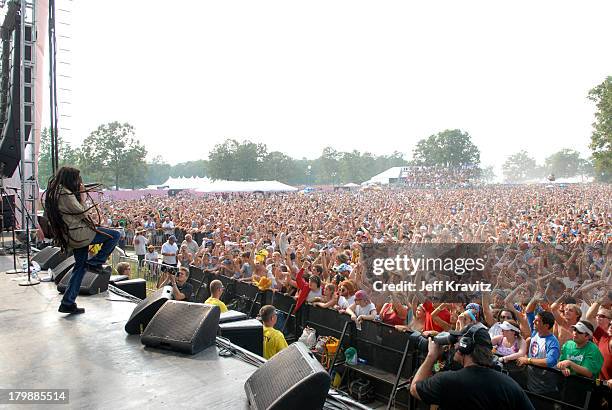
476	385
181	289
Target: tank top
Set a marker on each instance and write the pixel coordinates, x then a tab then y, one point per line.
390	316
504	350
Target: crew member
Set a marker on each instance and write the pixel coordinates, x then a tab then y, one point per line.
476	385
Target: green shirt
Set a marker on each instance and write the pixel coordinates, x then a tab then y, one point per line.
588	356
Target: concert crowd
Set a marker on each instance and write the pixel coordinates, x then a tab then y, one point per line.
550	306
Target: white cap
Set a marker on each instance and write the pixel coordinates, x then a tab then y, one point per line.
509	326
582	328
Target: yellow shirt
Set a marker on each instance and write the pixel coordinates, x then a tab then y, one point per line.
216	302
274	341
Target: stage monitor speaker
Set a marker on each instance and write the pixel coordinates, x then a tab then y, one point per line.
49	257
146	309
135	287
62	268
92	283
183	326
292	379
247	334
118	278
232	316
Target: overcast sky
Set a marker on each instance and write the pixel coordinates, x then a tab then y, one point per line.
371	76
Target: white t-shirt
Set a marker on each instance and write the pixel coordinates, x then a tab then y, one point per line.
167	248
313	294
344	302
364	310
151	256
168	228
141	247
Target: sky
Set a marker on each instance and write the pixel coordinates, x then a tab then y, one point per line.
371	76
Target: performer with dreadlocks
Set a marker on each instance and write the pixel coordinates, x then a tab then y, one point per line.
74	228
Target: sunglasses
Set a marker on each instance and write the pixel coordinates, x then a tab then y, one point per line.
602	317
508	317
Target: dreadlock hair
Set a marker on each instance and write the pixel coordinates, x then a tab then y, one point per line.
69	178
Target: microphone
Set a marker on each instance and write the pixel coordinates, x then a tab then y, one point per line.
92	186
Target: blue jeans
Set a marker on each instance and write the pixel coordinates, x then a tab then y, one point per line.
80	260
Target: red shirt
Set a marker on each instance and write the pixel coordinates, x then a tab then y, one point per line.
390	316
429	323
304	289
602	340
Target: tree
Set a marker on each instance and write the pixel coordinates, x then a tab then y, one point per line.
487	174
67	156
280	167
601	138
519	167
232	160
190	169
447	148
563	164
112	155
158	171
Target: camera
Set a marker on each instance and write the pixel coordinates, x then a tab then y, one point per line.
443	339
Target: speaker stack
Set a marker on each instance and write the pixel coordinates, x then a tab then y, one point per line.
8	209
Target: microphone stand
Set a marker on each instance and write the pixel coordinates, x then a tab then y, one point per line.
29	281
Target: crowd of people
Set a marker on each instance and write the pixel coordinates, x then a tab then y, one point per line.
439	177
550	265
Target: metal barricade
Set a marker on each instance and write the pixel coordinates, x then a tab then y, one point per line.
150	271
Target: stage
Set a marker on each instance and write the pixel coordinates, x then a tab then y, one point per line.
93	357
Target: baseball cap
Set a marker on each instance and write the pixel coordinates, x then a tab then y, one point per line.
583	328
473	306
361	295
481	336
172	237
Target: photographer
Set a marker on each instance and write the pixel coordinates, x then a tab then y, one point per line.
476	385
181	289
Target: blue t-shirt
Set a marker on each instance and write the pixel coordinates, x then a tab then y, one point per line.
540	380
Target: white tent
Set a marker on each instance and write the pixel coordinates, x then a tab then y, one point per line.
208	185
351	185
384	177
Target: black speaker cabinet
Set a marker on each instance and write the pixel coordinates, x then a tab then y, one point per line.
146	309
247	334
62	268
183	326
118	278
93	283
292	379
49	257
135	287
232	316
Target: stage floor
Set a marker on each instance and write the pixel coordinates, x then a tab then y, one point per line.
100	364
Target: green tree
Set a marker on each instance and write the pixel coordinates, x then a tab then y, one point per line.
158	171
113	156
190	169
280	167
563	164
601	138
519	167
66	156
487	174
233	160
447	148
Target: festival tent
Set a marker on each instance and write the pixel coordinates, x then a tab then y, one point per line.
199	184
389	176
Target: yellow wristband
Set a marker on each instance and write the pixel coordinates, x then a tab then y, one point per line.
529	360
